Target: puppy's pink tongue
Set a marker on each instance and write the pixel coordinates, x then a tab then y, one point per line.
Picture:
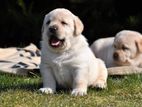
55	42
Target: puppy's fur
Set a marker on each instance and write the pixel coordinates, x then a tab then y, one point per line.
103	48
66	58
128	48
123	50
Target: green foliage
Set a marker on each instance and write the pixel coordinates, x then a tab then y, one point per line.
23	19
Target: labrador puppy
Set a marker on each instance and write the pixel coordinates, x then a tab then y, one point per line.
125	49
66	58
103	49
128	48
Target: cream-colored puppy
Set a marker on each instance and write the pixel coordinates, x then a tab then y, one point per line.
66	58
128	48
103	49
123	50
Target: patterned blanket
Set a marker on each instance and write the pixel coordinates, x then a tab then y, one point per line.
19	60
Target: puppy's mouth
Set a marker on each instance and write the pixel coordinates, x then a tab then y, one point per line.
56	42
125	62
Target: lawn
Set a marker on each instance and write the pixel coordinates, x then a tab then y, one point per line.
21	91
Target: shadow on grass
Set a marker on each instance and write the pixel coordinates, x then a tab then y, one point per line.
26	87
18	83
26	83
15	82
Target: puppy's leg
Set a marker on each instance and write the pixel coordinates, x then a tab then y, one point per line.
49	84
79	83
101	81
135	62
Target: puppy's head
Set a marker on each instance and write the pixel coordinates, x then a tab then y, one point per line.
127	46
60	26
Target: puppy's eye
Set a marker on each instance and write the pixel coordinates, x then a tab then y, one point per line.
48	22
125	48
63	23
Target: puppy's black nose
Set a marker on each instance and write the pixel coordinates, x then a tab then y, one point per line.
115	56
53	29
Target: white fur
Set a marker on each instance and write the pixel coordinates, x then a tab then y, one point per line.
74	66
103	48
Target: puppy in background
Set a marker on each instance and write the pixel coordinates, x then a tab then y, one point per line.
128	48
123	50
103	49
66	58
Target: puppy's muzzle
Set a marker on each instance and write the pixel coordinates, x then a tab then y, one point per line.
53	29
54	39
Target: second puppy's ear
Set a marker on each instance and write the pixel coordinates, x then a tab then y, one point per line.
78	26
139	45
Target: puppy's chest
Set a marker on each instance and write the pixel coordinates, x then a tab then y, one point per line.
63	70
62	62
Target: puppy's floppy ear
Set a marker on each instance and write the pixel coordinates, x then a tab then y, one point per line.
139	45
43	24
78	26
42	28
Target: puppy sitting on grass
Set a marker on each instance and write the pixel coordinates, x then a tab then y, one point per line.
66	58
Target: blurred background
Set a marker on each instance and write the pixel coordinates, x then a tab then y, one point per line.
21	20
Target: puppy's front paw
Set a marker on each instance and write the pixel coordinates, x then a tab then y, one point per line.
79	92
100	84
46	90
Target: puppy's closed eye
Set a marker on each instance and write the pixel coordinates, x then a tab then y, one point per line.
125	48
64	23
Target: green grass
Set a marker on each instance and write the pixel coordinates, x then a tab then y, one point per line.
17	91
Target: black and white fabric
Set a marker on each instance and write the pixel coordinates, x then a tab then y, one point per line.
19	60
